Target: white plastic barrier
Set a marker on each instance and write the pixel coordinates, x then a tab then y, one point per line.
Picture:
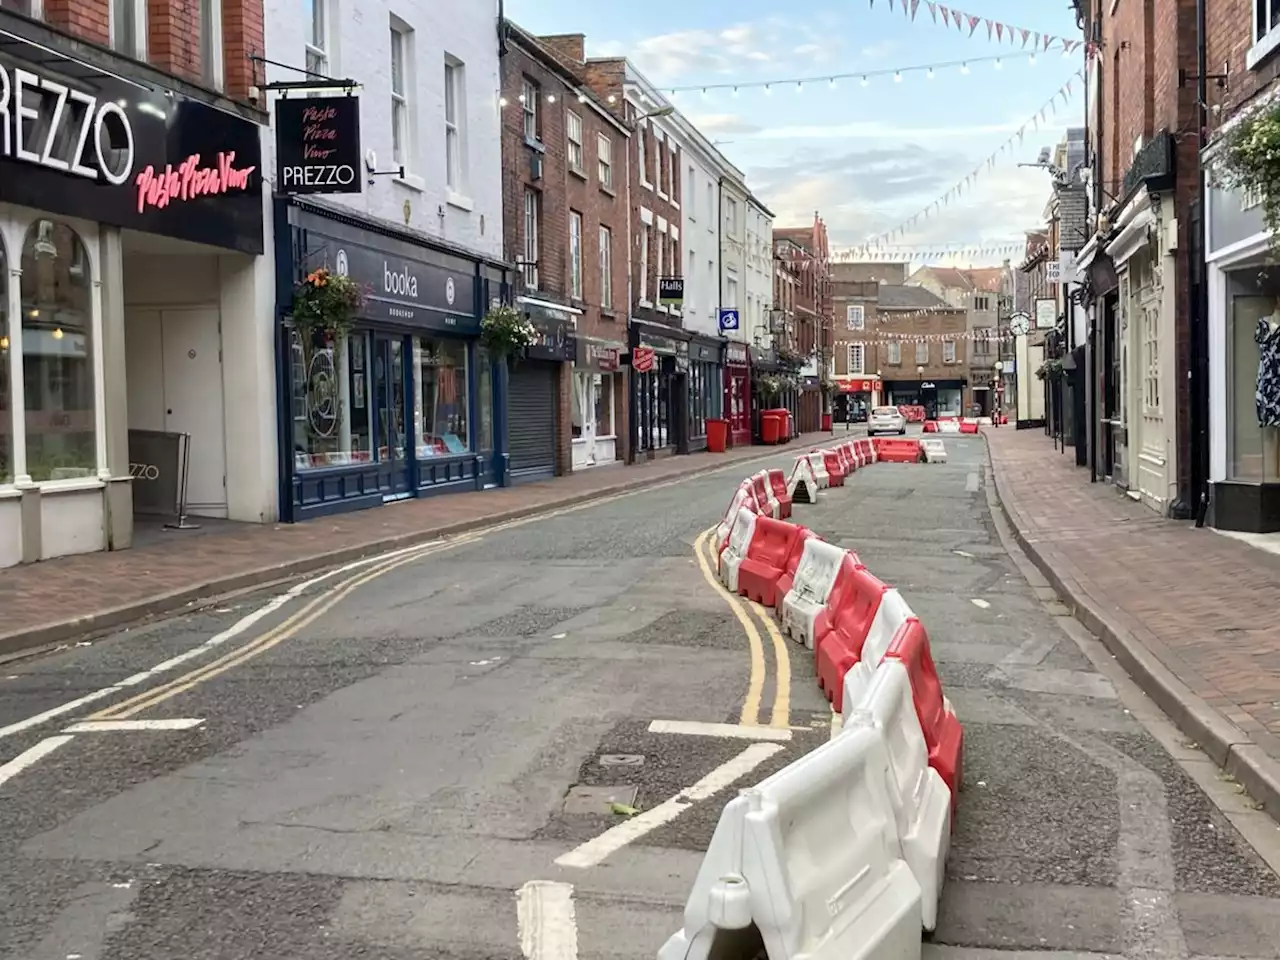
935	450
744	528
773	862
819	563
743	498
802	474
948	426
892	613
921	800
818	464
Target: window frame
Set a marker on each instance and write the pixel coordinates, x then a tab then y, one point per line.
572	146
530	94
858	349
922	361
455	131
399	98
855	316
138	50
893	354
532	231
319	59
1263	43
605	258
604	160
212	67
577	281
949	346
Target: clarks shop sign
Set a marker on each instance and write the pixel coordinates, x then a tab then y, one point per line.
400	289
318	145
81	143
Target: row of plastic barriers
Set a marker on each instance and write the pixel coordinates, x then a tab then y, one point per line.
841	854
954	425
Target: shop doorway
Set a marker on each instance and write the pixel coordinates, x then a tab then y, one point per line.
174	376
389	390
531	420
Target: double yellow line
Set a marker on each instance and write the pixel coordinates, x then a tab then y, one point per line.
752	615
290	627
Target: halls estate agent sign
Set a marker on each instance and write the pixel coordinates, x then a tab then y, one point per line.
318	145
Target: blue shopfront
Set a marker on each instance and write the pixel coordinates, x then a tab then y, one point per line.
407	403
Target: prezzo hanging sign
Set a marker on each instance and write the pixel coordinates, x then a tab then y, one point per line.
82	143
318	145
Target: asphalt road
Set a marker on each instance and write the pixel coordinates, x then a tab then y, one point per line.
381	765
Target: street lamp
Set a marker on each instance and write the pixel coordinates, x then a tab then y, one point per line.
995	420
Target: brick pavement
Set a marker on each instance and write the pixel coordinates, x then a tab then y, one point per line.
58	599
1202	605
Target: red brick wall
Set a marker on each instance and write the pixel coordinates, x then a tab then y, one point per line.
173	35
87	19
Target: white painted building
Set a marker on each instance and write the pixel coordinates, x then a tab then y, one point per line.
699	210
414	413
402	54
757	267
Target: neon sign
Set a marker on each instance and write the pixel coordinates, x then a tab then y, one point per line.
190	180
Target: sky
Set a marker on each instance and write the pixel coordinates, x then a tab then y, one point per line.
869	156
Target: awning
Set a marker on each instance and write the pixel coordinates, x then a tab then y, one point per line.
1132	226
549	309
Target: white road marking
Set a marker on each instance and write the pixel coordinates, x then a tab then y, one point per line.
732	731
596	850
546	921
30	757
117	726
217	640
981	604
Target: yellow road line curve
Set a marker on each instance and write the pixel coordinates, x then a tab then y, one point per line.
289	628
755	684
782	657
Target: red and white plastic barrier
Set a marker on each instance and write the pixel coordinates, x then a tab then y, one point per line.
834	465
768	553
761	487
803	484
820	562
778	484
943	733
744	528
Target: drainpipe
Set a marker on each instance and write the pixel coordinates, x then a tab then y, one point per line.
725	407
633	395
1199	372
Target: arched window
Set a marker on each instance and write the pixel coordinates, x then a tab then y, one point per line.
57	353
6	391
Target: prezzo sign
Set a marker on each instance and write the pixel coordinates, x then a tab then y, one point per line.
103	148
318	145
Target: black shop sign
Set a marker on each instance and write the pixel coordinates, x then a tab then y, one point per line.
400	288
318	145
82	143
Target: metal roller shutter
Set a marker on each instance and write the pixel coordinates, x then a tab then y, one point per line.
531	409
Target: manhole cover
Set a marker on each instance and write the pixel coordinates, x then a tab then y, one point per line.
621	759
589	800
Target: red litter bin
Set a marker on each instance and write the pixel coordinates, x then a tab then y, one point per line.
717	435
770	427
826	422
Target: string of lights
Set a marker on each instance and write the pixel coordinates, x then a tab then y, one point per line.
832	80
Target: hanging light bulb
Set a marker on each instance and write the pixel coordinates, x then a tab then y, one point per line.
1031	61
799	86
502	101
832	82
768	88
964	68
522	98
551	98
929	75
582	98
897	77
999	65
57	333
735	91
865	81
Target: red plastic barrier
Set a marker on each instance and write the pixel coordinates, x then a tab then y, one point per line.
850	458
913	413
943	733
851	620
766	559
897	449
788	578
863	449
837	596
968	426
761	488
778	483
835	469
930	426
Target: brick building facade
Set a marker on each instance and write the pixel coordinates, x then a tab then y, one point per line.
565	221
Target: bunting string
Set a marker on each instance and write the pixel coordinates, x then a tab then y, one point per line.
967	25
1049	107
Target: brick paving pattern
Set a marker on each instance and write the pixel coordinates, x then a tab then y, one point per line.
42	595
1204	604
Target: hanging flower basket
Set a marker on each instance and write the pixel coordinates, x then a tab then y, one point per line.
770	385
1050	370
827	387
789	359
507	333
327	303
1250	162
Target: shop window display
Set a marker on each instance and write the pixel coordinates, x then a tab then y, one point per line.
440	401
331	420
57	354
1253	378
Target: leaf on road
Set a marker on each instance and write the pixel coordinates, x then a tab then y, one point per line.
622	809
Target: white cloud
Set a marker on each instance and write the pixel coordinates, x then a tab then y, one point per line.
710	124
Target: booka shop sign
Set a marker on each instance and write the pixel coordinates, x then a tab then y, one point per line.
80	143
318	145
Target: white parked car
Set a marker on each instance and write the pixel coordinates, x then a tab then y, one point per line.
886	420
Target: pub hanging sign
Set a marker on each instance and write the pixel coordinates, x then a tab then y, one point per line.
318	145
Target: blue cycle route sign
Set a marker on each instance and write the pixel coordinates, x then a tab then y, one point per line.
728	319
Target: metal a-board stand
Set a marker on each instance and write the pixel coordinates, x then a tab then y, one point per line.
181	505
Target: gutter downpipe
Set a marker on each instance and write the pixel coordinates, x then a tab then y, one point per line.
1200	294
633	393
